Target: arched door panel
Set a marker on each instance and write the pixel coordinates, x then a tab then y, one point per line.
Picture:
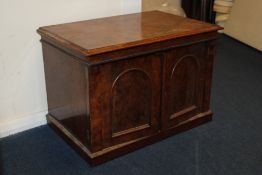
126	101
183	84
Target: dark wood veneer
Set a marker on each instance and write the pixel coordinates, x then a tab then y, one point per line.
117	84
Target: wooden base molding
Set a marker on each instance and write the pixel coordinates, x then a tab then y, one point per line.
115	151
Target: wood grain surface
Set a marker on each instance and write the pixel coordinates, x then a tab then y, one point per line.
97	36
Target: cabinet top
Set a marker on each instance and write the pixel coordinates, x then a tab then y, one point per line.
102	35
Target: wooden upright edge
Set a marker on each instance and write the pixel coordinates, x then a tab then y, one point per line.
115	151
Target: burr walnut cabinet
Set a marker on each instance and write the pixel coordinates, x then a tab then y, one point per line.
119	83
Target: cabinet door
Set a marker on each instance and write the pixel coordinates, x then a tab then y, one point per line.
183	84
125	100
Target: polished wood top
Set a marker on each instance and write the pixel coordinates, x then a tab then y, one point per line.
102	35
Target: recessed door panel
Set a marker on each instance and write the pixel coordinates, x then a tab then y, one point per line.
126	101
183	84
131	100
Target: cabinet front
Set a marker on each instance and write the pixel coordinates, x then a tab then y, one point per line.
125	100
183	84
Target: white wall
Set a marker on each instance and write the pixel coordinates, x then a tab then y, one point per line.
244	23
23	103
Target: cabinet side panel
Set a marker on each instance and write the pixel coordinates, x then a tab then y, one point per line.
67	91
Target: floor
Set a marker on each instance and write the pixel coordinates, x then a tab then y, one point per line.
231	144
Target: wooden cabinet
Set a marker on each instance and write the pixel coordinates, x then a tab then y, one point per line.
117	84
